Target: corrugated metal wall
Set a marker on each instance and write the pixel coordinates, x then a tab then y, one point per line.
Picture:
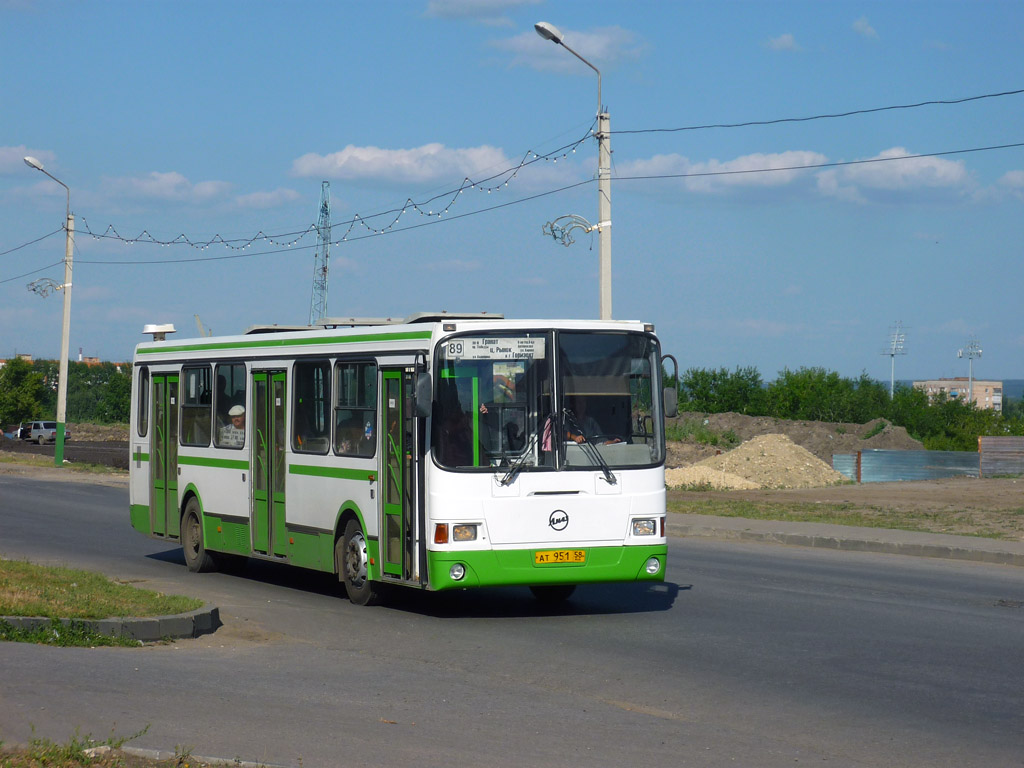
880	466
1001	455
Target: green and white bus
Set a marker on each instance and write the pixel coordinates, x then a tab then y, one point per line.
439	452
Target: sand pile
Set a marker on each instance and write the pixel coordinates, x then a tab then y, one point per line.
766	461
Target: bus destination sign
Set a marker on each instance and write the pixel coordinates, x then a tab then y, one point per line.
495	348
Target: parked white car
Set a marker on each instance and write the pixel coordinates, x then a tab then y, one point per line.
41	432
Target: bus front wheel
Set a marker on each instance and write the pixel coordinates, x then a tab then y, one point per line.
352	562
197	558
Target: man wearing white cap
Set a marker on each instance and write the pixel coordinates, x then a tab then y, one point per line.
233	435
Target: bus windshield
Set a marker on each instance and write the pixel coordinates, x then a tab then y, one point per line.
527	401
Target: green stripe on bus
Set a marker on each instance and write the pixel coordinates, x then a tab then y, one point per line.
203	461
270	343
340	473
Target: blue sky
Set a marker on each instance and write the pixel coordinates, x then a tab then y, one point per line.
208	119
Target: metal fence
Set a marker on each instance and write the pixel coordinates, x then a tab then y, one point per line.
1001	455
881	466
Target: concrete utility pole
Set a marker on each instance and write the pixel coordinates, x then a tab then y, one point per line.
604	176
62	380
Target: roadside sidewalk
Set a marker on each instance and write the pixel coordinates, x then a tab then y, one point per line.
848	538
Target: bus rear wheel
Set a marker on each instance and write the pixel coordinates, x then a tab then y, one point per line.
352	561
197	558
552	594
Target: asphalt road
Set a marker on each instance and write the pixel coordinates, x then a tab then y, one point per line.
751	655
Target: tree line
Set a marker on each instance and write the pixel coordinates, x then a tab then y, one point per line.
98	393
101	394
816	394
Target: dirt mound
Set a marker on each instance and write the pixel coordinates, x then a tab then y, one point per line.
819	437
766	461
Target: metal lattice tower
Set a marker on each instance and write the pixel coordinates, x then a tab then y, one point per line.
318	302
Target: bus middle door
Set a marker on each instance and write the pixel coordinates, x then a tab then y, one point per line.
399	468
268	486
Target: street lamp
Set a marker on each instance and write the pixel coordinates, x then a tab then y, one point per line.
62	380
973	350
604	176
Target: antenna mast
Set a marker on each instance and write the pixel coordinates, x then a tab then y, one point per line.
318	302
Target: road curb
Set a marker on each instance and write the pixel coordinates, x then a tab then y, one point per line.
850	539
147	629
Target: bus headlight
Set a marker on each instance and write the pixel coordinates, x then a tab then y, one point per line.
464	532
653	565
644	527
457	572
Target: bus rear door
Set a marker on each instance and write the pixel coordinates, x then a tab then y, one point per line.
163	450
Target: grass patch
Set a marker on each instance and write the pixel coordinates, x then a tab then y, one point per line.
878	429
86	752
697	431
34	590
959	522
74	634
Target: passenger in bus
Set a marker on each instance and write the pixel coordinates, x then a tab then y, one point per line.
233	435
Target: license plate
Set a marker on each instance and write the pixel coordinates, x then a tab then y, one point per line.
560	556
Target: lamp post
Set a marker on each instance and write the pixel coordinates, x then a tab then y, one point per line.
62	380
972	351
604	176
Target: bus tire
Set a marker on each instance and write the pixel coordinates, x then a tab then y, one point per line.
552	594
197	558
352	561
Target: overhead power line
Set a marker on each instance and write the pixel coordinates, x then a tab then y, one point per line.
812	166
509	203
31	242
831	116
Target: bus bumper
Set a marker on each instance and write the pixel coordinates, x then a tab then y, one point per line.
505	567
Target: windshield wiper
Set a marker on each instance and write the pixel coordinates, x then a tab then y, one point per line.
588	447
519	463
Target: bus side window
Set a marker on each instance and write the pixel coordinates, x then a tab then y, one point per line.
230	392
311	392
355	408
196	408
143	414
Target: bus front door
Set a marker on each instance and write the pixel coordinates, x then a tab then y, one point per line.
163	450
268	486
399	468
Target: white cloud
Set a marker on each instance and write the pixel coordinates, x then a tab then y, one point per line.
429	163
264	200
714	176
862	27
913	175
12	159
171	186
1013	179
784	42
1013	183
604	47
488	12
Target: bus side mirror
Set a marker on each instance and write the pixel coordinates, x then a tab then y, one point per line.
423	395
671	402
